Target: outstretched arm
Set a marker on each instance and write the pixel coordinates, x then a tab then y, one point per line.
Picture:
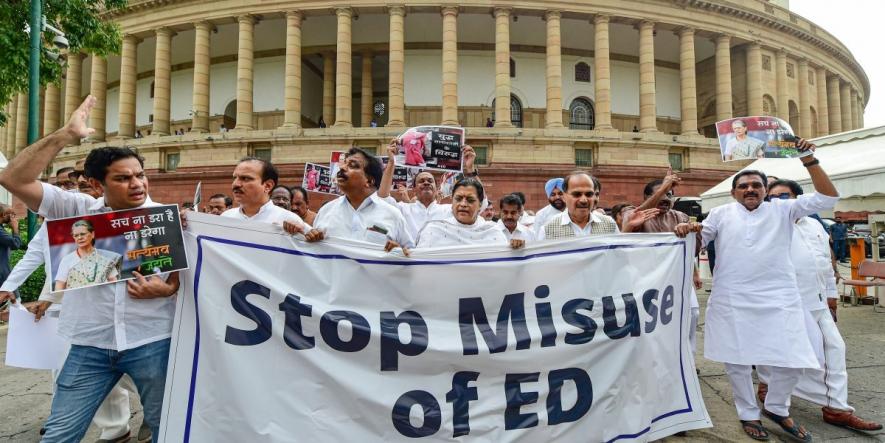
20	176
387	179
670	182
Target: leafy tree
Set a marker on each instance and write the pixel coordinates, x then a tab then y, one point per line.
83	24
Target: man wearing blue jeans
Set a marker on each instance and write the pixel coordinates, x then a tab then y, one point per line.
839	233
114	329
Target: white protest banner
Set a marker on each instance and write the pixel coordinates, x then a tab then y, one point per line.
578	341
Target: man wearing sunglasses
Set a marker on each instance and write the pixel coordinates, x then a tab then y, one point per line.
810	253
755	314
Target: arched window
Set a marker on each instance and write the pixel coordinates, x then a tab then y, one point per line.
581	114
582	72
515	111
794	115
768	106
512	68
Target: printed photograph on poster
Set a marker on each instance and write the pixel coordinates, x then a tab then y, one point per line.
335	162
105	248
317	178
448	183
747	138
431	147
402	175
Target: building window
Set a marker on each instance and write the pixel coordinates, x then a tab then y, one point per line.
262	153
790	71
150	118
482	155
512	68
581	115
766	62
172	160
584	157
768	106
152	90
676	161
515	111
582	72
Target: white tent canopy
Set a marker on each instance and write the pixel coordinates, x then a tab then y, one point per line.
854	160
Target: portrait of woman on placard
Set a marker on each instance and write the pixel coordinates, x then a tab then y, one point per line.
87	265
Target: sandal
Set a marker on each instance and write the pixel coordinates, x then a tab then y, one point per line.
795	432
755	425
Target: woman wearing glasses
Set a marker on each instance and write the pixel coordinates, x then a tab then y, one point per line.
87	265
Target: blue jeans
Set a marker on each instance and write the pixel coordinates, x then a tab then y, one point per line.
840	247
90	373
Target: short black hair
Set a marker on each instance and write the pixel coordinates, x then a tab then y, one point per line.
618	208
569	176
597	185
373	168
64	170
301	190
650	187
289	191
794	187
268	170
746	172
520	196
510	199
470	181
228	202
99	159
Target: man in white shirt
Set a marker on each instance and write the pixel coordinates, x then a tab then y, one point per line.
359	214
579	219
253	181
114	329
425	208
511	213
810	253
556	205
755	314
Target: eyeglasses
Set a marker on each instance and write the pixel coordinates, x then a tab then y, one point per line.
753	185
782	196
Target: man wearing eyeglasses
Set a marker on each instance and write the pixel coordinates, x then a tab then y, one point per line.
755	314
579	219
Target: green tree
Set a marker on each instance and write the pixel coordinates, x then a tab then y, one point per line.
83	24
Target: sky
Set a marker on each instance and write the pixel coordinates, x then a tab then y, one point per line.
859	25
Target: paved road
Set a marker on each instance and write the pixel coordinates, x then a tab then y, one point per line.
25	395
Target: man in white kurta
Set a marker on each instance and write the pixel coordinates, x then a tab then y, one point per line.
828	386
755	314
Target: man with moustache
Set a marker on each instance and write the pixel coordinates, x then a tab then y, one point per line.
218	203
755	314
281	196
359	214
301	205
511	212
103	347
579	220
556	205
253	180
425	208
63	179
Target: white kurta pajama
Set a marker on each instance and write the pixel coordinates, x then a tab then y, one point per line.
827	386
451	232
755	314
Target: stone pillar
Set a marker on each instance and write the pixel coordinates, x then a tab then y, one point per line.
647	106
395	65
51	110
328	88
128	77
603	73
554	70
202	65
833	97
687	82
783	96
823	112
450	65
754	79
845	105
855	122
860	108
502	68
723	78
343	71
21	122
162	82
367	94
292	113
99	88
73	79
805	128
245	56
